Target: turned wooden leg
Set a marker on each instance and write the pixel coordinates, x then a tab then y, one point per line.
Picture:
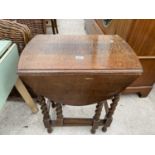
59	114
46	117
108	118
96	117
53	104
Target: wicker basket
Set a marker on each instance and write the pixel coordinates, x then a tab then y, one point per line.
37	26
18	33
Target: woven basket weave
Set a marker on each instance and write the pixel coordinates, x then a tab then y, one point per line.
18	33
37	26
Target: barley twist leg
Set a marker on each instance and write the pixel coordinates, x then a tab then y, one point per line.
96	117
59	113
108	118
46	117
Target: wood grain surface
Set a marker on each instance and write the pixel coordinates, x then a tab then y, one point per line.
140	35
78	70
95	52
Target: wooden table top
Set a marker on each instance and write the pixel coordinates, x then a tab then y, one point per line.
78	70
83	53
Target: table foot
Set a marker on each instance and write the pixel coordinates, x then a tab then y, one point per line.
96	117
108	117
104	129
93	131
46	117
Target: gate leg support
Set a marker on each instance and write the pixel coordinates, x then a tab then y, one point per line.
96	117
46	117
108	117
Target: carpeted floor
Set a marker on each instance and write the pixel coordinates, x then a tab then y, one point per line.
133	115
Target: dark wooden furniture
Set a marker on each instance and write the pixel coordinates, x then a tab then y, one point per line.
78	71
140	34
54	26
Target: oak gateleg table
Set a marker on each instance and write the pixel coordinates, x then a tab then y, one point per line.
78	70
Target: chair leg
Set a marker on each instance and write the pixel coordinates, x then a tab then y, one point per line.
108	118
56	26
59	114
53	27
96	117
25	95
46	117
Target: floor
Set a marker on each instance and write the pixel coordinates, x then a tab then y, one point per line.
133	115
